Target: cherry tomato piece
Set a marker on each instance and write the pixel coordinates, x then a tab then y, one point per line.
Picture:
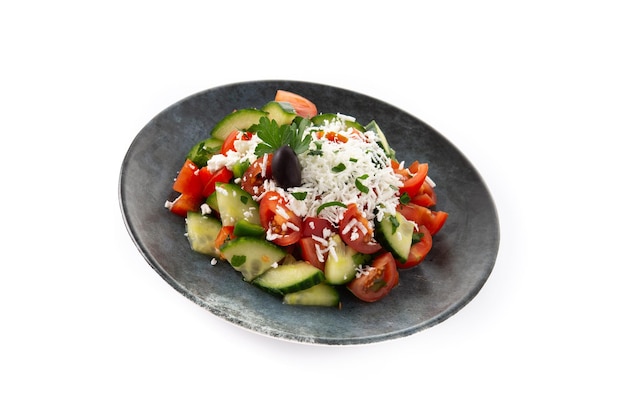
356	231
377	281
303	106
187	181
309	252
282	225
315	226
253	179
433	220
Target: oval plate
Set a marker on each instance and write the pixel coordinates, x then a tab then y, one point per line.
463	255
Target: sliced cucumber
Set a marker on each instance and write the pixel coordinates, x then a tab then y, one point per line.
342	268
283	113
251	256
202	151
321	118
245	228
322	294
239	119
212	202
395	233
373	126
289	278
202	232
234	204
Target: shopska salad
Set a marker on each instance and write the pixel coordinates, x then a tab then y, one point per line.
301	203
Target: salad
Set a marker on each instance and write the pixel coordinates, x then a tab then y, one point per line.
302	203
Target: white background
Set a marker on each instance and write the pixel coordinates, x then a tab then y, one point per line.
533	93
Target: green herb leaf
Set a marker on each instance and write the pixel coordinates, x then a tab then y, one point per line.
275	136
299	195
394	224
362	188
417	237
339	168
330	204
405	199
238	260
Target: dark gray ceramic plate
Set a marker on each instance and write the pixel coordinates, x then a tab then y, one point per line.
462	258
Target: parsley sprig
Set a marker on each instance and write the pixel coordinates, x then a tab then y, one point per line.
275	136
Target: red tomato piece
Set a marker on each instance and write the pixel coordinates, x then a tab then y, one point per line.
283	226
256	174
376	282
186	202
187	181
303	106
221	175
426	196
419	250
229	142
356	231
336	137
433	220
309	252
413	181
315	226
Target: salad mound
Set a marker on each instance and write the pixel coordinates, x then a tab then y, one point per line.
302	202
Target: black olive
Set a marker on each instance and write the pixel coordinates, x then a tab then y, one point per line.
286	168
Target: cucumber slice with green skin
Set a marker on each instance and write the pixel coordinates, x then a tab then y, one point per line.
321	118
251	256
212	202
373	126
202	232
342	269
202	151
283	113
245	228
285	279
234	204
238	120
395	233
323	295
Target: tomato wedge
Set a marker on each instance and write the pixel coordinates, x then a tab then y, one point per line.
315	226
187	181
308	251
426	196
253	179
221	175
377	281
419	250
186	202
303	106
414	177
282	225
433	220
229	142
356	232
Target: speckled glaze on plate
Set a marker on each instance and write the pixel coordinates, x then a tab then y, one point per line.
464	251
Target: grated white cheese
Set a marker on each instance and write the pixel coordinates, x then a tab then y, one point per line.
359	159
